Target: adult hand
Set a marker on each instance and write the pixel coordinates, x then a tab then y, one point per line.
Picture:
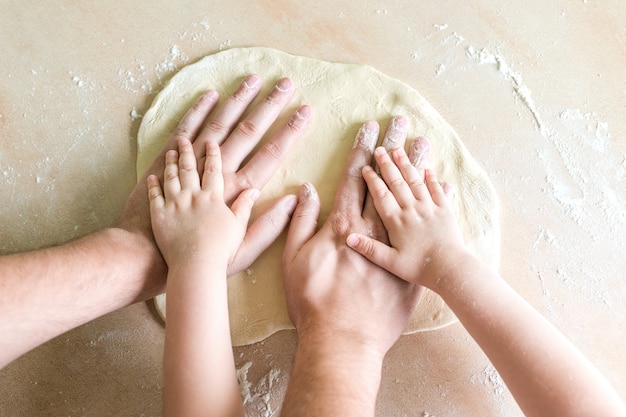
330	289
206	122
347	311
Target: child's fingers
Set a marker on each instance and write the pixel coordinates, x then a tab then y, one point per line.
393	178
384	200
155	194
171	182
212	178
187	169
377	252
413	176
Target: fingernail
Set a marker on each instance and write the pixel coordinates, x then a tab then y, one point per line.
254	194
284	85
399	123
210	95
290	204
352	240
251	81
421	145
367	136
396	132
419	149
309	193
300	116
303	112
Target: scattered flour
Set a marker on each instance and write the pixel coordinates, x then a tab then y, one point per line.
491	378
485	56
258	396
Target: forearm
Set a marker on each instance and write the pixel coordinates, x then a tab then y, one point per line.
545	373
47	292
199	368
332	378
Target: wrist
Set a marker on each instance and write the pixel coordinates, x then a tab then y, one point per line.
343	356
139	257
455	268
341	376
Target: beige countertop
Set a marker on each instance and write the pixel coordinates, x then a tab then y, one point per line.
536	91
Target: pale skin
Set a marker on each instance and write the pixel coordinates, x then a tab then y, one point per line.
545	373
347	311
199	236
47	292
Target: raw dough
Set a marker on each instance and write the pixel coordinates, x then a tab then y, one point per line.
342	96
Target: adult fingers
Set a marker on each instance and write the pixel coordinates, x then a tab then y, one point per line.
395	137
350	195
248	132
191	124
419	157
257	172
436	190
419	154
303	223
448	190
262	233
221	122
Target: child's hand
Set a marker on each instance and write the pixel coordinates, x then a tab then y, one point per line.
189	217
425	239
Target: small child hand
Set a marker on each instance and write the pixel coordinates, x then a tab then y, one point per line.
189	217
425	240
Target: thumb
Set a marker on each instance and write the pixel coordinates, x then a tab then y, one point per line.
377	252
242	206
262	233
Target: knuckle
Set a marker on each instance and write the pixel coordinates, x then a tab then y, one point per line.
272	151
297	122
272	99
416	183
244	182
380	193
341	225
170	174
183	131
217	127
396	182
366	246
248	129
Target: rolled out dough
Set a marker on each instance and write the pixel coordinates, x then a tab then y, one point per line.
342	96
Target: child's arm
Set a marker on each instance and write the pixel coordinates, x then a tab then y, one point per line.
198	235
545	373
